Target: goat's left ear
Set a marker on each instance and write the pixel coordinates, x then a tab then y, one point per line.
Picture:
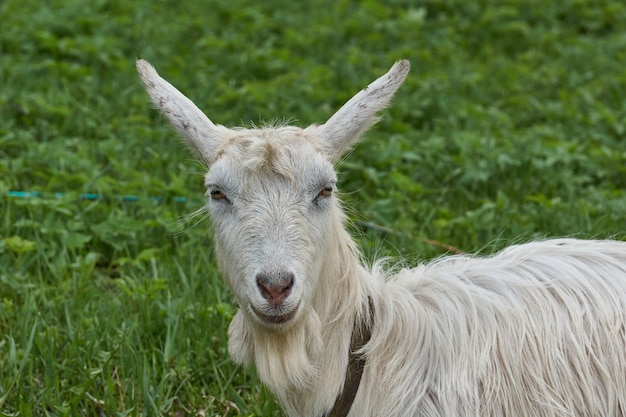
345	127
199	133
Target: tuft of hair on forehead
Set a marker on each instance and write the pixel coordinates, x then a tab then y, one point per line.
273	149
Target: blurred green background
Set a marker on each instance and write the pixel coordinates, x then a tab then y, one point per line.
510	127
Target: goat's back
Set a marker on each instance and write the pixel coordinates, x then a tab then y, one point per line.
536	330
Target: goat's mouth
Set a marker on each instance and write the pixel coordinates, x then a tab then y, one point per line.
275	318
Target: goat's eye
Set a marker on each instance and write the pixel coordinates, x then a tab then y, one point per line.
327	191
324	194
217	194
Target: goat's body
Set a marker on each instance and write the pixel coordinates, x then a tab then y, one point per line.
537	330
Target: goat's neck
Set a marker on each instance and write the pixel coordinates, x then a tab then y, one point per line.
300	364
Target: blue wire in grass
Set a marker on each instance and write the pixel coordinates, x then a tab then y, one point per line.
90	196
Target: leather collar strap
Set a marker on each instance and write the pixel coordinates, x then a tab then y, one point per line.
360	336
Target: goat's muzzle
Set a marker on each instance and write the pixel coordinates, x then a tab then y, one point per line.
275	288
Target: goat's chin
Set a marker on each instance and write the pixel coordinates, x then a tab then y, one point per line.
275	319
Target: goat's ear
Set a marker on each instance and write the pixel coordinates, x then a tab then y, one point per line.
345	127
199	133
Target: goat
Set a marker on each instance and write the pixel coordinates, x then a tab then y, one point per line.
538	329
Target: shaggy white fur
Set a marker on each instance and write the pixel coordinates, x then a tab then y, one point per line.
536	330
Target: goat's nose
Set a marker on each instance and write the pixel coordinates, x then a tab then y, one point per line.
275	287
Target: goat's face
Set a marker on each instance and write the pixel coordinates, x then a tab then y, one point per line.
271	193
271	199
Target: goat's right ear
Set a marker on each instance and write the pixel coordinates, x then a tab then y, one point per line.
199	133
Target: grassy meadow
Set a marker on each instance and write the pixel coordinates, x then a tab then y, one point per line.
510	127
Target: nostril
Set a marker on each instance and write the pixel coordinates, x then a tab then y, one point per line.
275	287
286	280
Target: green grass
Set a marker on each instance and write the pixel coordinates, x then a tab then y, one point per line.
511	126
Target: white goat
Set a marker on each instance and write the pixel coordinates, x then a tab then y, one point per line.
536	330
